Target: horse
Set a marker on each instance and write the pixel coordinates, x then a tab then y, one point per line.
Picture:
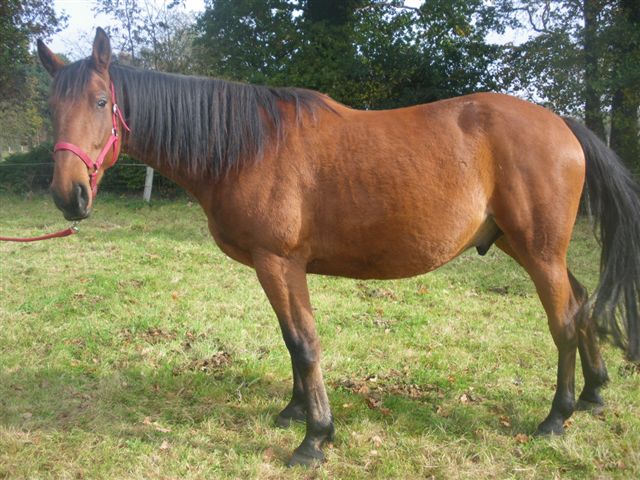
295	183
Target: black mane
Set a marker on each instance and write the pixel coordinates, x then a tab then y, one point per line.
206	125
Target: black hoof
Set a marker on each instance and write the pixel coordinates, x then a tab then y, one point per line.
307	456
550	427
291	414
285	422
596	408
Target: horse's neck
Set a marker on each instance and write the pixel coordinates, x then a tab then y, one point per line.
195	184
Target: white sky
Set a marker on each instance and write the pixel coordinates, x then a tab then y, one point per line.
75	40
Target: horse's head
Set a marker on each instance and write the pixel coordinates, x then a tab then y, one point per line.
85	126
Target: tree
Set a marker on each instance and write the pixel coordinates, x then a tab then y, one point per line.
21	21
366	53
150	35
24	119
584	60
625	104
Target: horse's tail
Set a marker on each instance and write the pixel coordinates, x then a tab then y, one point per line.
613	198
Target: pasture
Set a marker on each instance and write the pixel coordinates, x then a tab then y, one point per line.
136	349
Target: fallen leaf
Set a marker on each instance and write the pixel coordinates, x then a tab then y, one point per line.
443	412
268	455
377	441
522	438
505	422
363	390
165	445
372	403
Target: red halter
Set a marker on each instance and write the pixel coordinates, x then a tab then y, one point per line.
92	166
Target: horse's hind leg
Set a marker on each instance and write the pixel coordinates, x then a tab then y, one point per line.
551	278
593	367
295	411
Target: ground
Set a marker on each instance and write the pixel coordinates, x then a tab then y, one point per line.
136	349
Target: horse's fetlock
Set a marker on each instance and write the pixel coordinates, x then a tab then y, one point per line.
304	355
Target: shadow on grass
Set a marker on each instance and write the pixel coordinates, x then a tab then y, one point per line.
125	403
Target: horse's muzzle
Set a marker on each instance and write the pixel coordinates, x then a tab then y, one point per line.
76	206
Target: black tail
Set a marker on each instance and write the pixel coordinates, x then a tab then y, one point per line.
613	198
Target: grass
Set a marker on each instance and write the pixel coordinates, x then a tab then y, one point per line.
136	349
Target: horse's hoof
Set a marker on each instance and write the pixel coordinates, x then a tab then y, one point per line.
307	456
284	420
550	427
596	408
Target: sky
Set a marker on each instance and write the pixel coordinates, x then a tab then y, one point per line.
75	40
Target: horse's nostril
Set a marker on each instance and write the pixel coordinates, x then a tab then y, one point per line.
82	197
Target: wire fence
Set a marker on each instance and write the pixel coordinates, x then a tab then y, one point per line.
33	172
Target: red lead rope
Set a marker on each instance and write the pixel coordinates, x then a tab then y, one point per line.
62	233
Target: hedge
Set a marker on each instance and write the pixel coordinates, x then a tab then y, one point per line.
32	172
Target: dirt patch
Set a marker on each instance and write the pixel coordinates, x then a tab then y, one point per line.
216	363
394	382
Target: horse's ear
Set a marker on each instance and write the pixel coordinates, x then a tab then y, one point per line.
101	51
50	60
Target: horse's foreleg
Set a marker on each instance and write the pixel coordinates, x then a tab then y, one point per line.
284	281
593	367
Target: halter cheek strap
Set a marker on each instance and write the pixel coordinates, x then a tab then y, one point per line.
113	142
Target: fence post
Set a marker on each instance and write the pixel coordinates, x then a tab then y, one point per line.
148	185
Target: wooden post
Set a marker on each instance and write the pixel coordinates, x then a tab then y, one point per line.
148	185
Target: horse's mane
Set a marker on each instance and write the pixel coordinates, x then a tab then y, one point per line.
206	125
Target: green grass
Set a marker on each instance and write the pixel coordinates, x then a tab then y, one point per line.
136	349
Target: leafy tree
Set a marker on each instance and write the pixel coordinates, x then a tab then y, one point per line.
624	37
151	35
366	53
21	21
23	87
584	60
24	118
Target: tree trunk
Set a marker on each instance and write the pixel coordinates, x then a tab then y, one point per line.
593	106
626	97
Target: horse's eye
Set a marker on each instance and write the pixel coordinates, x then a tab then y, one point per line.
101	103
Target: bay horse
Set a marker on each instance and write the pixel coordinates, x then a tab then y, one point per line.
292	182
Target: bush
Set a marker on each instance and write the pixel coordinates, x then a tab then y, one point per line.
27	172
33	171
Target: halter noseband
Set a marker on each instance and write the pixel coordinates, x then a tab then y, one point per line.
113	141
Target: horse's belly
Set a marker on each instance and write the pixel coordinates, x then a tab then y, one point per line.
398	257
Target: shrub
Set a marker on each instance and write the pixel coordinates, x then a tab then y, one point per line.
32	172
